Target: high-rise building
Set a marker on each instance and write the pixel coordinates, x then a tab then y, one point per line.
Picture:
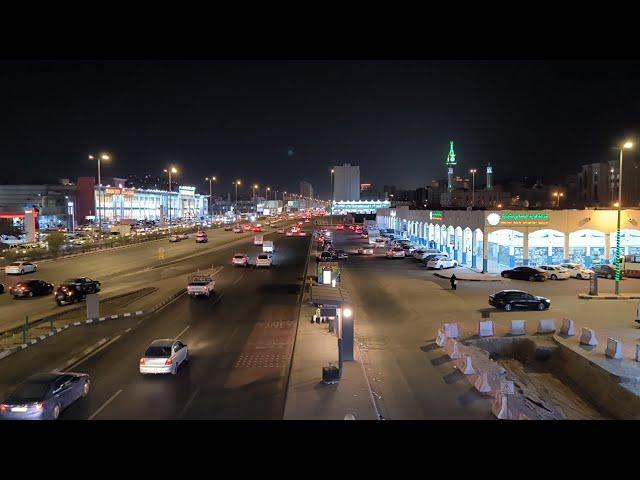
346	183
306	190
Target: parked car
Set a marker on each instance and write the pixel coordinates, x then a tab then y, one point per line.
423	253
31	288
280	230
164	356
525	273
395	252
228	228
174	238
510	299
237	230
606	271
379	243
441	261
577	271
428	257
20	268
43	396
556	272
240	260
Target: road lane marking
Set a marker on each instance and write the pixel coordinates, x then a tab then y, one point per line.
82	360
189	402
238	279
182	332
104	405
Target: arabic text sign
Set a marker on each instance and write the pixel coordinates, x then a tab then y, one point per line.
517	218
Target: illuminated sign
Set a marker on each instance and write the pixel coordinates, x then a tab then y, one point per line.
392	213
517	218
113	191
437	216
187	190
129	193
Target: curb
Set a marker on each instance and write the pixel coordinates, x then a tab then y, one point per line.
584	296
439	275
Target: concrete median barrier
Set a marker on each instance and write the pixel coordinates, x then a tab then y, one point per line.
518	327
614	349
547	325
482	382
466	365
568	327
588	337
486	328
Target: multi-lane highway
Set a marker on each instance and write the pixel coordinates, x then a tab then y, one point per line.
240	344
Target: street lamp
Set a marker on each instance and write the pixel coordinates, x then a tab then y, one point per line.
99	158
332	193
170	170
627	145
558	196
210	179
236	183
473	187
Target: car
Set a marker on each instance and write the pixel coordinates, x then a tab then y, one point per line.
302	233
428	257
20	268
44	396
237	230
257	229
408	249
525	273
365	251
422	253
395	252
75	289
164	356
246	227
326	256
289	233
441	261
340	226
379	243
228	228
240	260
604	270
175	238
341	254
510	299
264	260
364	235
577	271
201	236
183	236
556	272
201	284
280	230
31	288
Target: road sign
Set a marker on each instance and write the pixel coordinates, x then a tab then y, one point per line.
160	253
507	387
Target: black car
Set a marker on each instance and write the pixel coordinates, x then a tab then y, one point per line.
31	288
75	289
341	254
606	271
525	273
44	396
510	299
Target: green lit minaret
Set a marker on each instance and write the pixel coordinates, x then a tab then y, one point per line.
451	162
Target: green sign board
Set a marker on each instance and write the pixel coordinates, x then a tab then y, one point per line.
517	218
438	216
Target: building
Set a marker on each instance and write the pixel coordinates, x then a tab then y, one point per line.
359	206
306	189
492	240
346	183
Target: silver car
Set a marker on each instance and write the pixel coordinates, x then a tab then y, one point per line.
164	356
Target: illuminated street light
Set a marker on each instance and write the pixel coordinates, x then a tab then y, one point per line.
347	312
170	170
473	186
236	183
210	179
101	157
627	145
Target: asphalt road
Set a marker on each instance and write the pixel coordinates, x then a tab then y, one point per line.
240	343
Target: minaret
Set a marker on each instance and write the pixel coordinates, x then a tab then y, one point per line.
489	177
451	162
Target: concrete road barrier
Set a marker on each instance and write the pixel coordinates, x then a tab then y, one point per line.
614	349
482	382
637	352
499	407
451	330
588	337
568	327
486	328
452	349
518	327
547	325
466	366
441	340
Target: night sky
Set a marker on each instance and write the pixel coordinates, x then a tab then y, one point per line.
240	119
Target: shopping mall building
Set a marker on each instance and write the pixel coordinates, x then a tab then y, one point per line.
493	240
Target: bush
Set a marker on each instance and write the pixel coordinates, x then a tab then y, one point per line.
55	241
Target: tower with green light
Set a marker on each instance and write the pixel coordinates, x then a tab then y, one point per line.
451	162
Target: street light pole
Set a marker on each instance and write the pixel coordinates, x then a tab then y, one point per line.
170	170
210	179
331	211
473	187
102	156
627	145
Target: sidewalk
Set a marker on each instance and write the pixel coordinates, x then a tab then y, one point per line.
610	296
307	397
469	275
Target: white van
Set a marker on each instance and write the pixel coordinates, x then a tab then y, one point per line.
267	246
257	240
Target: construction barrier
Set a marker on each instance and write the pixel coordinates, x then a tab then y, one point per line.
614	349
588	337
518	327
568	327
482	382
547	325
499	407
451	330
637	352
486	328
452	349
440	338
466	366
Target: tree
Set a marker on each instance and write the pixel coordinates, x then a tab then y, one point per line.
55	241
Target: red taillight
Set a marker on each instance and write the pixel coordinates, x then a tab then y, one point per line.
142	361
4	408
39	406
168	362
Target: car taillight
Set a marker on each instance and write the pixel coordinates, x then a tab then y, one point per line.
142	361
4	407
39	406
168	361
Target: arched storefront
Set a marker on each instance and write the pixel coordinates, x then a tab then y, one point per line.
629	243
546	247
587	247
505	249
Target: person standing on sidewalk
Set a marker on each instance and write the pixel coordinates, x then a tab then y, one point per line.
454	281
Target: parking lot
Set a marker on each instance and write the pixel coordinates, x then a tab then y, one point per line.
400	305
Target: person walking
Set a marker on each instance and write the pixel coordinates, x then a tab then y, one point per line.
454	281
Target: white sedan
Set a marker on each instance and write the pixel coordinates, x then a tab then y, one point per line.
264	260
556	272
164	356
240	260
395	252
19	268
577	271
365	251
442	261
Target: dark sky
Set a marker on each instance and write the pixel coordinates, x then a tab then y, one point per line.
237	119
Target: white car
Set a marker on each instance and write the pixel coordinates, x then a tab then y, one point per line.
395	252
577	271
421	254
281	230
240	260
264	260
18	268
379	243
365	251
441	261
556	272
164	356
175	238
289	233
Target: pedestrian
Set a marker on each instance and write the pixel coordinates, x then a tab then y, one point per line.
454	281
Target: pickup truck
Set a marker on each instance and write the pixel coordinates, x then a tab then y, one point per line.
201	284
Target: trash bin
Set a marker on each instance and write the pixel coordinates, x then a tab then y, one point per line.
330	374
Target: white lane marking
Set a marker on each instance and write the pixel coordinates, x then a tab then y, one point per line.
104	405
188	404
127	330
182	332
238	279
82	360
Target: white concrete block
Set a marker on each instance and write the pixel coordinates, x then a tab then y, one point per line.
467	367
499	407
588	337
546	325
568	327
440	338
451	330
482	382
637	352
452	349
614	349
518	327
486	328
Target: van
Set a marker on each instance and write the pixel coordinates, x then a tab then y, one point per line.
267	246
258	240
